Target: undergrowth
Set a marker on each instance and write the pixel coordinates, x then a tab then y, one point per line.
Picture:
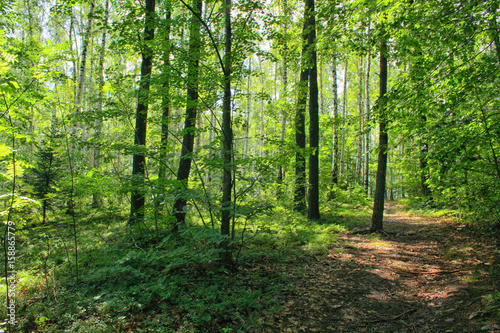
164	284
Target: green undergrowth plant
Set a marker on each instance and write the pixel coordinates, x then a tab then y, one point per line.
171	285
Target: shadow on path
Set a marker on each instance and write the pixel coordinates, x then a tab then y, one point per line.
424	275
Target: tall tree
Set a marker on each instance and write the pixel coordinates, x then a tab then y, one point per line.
137	199
335	152
344	117
191	115
83	67
284	91
300	122
165	105
227	145
367	123
313	213
380	181
96	199
360	143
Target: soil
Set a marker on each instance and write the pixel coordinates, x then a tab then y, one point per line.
419	275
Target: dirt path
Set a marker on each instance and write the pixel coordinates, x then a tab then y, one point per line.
424	275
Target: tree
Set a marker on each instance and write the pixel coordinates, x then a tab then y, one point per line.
380	181
137	199
335	152
300	121
191	115
313	213
165	105
96	199
227	144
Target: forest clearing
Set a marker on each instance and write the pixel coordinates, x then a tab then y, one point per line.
249	166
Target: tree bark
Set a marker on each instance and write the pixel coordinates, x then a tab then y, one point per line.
262	116
248	110
165	105
378	204
96	199
313	213
344	117
359	149
284	97
190	120
300	123
83	67
227	143
335	150
137	199
367	124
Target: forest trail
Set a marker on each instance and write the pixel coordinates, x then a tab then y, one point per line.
423	275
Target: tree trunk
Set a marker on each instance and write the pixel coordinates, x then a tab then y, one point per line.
313	213
247	115
227	149
284	98
137	199
335	152
165	106
96	199
344	117
300	123
190	121
367	124
83	67
378	204
359	149
262	117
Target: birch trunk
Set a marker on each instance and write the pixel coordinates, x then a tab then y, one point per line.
96	199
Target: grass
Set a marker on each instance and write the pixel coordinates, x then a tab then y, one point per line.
173	285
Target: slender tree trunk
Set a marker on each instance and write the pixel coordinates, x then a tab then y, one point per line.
227	143
359	149
165	105
335	152
367	124
313	213
190	120
83	66
211	133
378	205
284	97
425	191
262	116
344	117
248	110
137	199
96	199
300	123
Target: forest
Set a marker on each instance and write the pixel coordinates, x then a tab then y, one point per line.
250	166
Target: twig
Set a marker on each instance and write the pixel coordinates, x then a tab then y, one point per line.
392	318
434	272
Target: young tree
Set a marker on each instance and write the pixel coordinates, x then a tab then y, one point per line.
165	105
96	198
191	115
137	199
335	152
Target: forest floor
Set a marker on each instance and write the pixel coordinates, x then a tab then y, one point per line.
421	275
